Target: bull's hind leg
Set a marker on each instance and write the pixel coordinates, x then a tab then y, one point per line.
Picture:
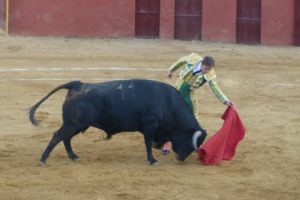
65	132
70	152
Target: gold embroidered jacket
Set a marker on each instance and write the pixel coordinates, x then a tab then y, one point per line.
188	63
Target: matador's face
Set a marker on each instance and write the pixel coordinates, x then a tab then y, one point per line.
205	68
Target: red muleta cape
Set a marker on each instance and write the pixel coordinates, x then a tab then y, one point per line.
222	145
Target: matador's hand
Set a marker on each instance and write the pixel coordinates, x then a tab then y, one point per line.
228	103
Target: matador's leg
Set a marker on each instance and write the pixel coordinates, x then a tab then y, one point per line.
195	104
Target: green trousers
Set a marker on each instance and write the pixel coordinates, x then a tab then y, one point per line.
185	91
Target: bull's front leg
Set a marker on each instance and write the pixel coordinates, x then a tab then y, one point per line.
150	124
150	127
148	143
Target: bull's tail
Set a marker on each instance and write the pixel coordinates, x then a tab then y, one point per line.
68	86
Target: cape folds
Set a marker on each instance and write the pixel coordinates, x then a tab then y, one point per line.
222	145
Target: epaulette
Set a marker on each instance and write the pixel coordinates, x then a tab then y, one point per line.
210	75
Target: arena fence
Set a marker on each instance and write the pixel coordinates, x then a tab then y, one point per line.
233	21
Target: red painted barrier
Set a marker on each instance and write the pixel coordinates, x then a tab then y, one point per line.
102	18
277	22
2	14
219	20
116	18
167	17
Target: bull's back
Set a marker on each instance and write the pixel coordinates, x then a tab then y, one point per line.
135	93
135	97
121	105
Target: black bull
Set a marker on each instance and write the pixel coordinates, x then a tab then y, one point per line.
155	109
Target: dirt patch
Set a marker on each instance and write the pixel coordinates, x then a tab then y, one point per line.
263	82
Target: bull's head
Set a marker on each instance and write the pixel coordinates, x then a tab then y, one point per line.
185	147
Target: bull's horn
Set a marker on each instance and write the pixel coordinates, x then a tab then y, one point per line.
196	135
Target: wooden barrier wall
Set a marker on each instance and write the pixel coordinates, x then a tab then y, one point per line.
297	23
3	14
219	20
117	18
277	22
101	18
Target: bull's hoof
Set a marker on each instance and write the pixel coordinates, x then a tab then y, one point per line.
153	162
74	157
42	163
179	162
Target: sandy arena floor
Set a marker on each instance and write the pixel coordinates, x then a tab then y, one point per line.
263	82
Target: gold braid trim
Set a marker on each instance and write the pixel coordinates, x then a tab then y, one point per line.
178	83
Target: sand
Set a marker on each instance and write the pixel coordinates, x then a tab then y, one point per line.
263	82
